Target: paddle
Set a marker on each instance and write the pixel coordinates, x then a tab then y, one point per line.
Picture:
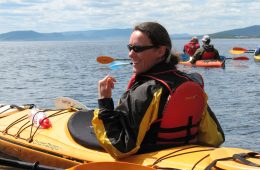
240	50
115	65
234	58
25	165
107	59
184	57
66	102
7	110
91	166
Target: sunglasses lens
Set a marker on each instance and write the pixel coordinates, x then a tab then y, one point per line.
139	49
129	47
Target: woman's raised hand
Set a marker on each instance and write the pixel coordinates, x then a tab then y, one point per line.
105	87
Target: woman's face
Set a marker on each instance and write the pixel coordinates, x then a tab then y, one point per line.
146	59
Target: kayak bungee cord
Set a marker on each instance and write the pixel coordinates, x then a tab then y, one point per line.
200	161
60	112
171	156
14	123
23	127
165	156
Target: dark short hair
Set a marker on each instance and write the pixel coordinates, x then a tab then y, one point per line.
158	36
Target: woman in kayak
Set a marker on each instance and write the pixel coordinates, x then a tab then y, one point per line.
206	52
162	106
191	47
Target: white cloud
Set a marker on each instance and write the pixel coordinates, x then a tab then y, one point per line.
179	16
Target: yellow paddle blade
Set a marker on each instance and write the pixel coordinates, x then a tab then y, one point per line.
236	51
240	50
105	59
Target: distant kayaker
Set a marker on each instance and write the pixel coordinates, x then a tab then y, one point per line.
257	51
162	106
206	52
191	47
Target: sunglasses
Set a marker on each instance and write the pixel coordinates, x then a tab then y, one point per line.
139	49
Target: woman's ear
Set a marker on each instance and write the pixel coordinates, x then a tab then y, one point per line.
162	51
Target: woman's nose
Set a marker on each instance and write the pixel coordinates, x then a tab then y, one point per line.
131	54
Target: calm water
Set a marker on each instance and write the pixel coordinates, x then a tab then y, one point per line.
38	72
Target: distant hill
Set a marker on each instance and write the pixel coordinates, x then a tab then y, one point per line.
29	36
111	34
108	34
116	34
248	32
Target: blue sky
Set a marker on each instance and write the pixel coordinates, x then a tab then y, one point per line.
178	16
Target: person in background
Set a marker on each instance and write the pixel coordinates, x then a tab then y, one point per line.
257	51
191	47
146	118
206	52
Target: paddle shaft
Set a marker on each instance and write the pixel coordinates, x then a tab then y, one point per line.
25	165
249	51
123	59
240	50
237	58
234	58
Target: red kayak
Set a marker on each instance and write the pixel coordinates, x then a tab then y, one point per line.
205	63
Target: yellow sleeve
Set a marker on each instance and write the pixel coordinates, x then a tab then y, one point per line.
148	118
210	132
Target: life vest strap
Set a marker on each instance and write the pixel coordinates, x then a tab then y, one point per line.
159	80
177	129
186	139
180	139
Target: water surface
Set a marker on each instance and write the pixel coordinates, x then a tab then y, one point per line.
38	72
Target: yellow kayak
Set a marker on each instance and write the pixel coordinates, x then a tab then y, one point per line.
56	147
257	58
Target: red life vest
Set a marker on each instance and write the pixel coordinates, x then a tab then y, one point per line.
183	111
208	55
182	115
131	82
191	48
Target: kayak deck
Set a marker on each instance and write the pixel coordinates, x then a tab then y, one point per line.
257	58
